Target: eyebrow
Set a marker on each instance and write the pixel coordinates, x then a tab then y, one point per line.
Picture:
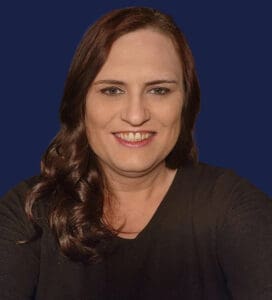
112	81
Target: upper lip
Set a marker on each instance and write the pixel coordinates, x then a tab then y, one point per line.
134	131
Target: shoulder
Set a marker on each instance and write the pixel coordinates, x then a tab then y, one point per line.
13	220
210	173
206	177
227	184
15	197
217	193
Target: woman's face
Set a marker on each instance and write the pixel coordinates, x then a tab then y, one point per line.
133	107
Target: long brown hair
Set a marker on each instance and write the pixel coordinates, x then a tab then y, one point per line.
71	182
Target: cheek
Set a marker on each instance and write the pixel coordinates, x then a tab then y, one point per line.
98	114
92	124
95	117
97	123
172	125
171	117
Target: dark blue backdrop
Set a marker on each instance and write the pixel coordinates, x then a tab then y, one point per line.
231	42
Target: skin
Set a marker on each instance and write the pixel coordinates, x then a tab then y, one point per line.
127	97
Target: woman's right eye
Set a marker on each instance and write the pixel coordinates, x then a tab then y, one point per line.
111	91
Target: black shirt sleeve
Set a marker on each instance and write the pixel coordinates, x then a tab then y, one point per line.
19	264
245	243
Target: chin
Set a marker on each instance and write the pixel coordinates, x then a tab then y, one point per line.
136	168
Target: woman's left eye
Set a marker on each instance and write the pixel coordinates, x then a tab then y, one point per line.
159	91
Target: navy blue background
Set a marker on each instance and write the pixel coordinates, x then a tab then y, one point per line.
231	42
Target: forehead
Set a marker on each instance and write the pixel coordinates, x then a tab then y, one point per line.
144	51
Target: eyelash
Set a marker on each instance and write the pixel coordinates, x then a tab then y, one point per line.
160	91
114	91
111	91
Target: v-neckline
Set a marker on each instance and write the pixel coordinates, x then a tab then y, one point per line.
157	213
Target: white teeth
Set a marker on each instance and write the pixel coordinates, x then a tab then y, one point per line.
137	136
133	136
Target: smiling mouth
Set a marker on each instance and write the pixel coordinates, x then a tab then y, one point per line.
134	139
134	136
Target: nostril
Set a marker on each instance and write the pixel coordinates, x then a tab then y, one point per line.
135	115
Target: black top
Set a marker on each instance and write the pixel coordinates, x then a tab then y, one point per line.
210	238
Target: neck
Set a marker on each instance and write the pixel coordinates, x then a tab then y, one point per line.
134	199
129	187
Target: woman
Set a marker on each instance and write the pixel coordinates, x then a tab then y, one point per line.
122	209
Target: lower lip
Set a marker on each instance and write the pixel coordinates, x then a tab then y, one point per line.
136	144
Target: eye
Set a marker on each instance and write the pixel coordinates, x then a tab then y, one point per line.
111	91
159	91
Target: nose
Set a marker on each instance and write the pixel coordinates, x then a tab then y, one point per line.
135	111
